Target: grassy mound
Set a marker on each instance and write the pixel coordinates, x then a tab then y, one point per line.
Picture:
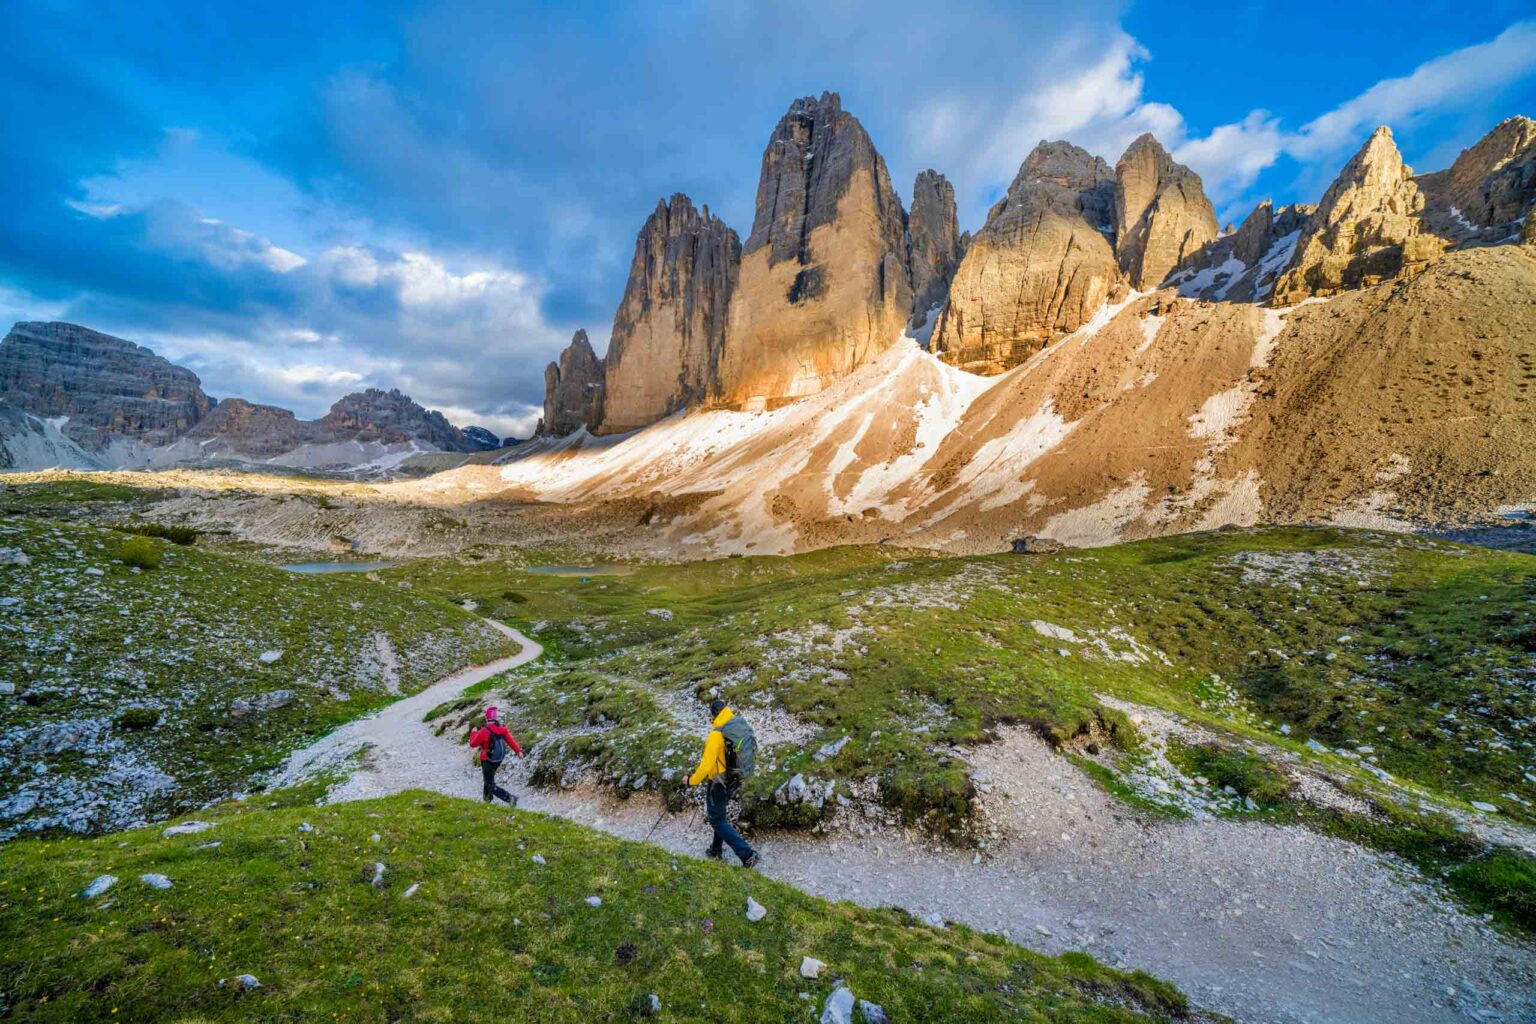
141	677
463	924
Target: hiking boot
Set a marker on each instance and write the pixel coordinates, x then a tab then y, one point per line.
752	860
713	854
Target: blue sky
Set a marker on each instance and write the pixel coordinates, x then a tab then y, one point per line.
300	199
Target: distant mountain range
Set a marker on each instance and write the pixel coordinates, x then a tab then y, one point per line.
74	397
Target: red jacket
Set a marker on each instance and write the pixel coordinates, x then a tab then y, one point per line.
481	738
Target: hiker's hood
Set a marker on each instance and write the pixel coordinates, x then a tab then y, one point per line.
725	715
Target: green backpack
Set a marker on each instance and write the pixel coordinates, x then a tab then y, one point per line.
740	751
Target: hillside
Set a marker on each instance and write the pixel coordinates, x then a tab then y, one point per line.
130	692
421	907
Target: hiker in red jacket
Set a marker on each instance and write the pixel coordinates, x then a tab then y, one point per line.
493	741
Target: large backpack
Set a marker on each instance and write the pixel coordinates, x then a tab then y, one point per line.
740	751
495	746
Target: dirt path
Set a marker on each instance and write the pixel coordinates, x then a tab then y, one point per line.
398	744
1263	923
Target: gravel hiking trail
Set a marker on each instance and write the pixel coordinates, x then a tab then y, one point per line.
1268	924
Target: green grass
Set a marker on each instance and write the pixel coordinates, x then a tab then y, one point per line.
488	935
1402	655
124	678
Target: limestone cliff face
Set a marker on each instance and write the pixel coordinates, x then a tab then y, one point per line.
1367	229
1162	216
389	417
937	245
1039	267
824	284
573	390
1242	265
107	387
1482	198
670	326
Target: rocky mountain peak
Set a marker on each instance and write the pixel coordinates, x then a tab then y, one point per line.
937	244
1492	184
1162	216
389	417
107	387
573	389
824	283
1039	267
670	324
1367	228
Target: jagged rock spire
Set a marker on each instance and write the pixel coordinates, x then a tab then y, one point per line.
573	389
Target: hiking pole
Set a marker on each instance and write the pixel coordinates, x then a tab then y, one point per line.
654	827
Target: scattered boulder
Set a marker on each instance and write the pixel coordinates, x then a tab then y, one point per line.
831	750
1037	546
246	982
99	885
244	707
838	1009
268	657
186	828
755	910
873	1013
810	967
155	881
14	556
664	614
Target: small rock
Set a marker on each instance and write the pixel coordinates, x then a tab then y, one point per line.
411	891
664	614
1043	930
1485	807
14	556
652	1005
838	1009
755	910
594	901
246	982
810	967
873	1013
540	861
93	571
831	750
305	826
99	885
155	881
375	838
933	920
187	828
268	657
378	875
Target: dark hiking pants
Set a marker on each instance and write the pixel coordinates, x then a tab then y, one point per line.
488	773
716	799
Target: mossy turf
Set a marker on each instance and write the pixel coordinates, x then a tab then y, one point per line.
487	934
126	655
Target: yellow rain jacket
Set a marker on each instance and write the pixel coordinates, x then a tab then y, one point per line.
712	764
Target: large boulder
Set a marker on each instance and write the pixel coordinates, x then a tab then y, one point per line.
937	244
1039	267
670	326
1162	216
824	285
573	390
106	387
1367	229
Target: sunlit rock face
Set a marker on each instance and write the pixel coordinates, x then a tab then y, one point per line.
1040	266
670	325
824	285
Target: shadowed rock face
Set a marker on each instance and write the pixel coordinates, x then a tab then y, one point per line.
107	387
1367	229
824	284
937	244
390	418
573	390
1041	265
670	326
1162	216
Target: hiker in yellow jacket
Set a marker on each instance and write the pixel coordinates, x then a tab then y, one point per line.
714	773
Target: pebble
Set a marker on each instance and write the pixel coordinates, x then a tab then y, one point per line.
539	860
755	910
594	901
155	881
305	826
411	891
374	838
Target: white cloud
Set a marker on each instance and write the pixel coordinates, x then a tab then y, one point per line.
1233	156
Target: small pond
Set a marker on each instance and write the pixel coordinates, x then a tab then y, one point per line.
339	566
